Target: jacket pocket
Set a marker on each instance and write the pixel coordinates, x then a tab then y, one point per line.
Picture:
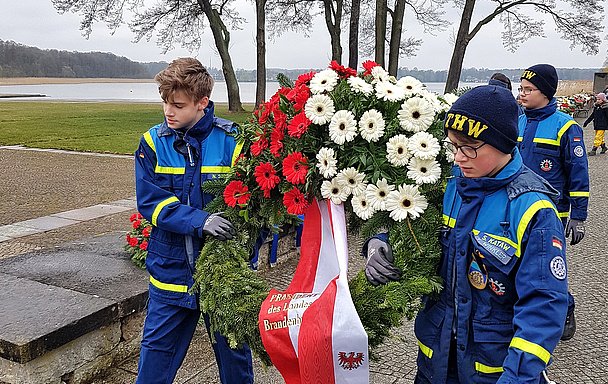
491	345
427	328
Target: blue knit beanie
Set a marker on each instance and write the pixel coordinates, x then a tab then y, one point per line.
487	113
544	76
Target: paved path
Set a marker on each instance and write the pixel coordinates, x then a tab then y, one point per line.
43	184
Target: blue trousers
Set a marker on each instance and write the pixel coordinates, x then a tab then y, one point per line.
168	331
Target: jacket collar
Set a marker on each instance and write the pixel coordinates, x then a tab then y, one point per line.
200	130
543	112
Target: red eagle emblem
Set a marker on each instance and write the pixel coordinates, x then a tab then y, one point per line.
351	360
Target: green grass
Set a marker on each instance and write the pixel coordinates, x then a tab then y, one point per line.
90	127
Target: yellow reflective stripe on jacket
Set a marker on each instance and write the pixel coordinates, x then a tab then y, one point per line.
160	206
428	352
487	369
531	348
563	214
579	194
449	221
149	140
170	170
527	216
168	287
520	138
237	151
561	132
215	169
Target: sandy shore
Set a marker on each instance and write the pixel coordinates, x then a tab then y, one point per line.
65	80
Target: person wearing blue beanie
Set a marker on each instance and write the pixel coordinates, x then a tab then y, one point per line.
501	311
551	144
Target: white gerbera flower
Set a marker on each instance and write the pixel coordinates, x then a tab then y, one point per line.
351	181
334	191
343	127
389	92
396	150
424	146
379	74
449	155
319	109
410	85
327	162
433	99
371	125
406	200
450	98
423	171
323	81
362	207
359	85
416	114
378	194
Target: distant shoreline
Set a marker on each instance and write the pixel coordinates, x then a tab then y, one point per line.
66	80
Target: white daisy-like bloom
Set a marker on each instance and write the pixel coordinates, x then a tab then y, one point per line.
450	98
379	74
449	155
423	171
352	181
327	162
389	92
410	85
371	125
343	127
416	114
362	207
377	194
323	81
433	99
319	109
396	150
404	201
331	189
424	146
359	85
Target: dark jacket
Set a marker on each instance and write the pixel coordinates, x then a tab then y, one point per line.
599	116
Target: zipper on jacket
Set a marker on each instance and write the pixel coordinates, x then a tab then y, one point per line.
190	154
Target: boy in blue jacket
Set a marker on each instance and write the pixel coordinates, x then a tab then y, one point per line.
172	162
502	308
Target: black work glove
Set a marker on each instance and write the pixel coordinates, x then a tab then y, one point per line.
379	268
577	228
218	227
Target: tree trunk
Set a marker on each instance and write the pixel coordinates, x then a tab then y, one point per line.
221	36
353	35
395	42
333	19
260	36
379	47
460	47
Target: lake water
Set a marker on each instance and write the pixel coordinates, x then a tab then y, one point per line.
140	92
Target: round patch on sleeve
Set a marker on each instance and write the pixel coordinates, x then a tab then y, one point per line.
578	151
558	267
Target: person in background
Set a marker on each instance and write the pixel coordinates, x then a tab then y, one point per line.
502	80
551	144
502	308
599	116
172	162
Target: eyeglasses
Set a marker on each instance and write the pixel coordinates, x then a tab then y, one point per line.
467	150
526	91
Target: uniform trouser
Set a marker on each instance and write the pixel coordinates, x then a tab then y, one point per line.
598	140
570	297
168	331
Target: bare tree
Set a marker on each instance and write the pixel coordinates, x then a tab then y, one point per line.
581	26
353	34
260	38
172	21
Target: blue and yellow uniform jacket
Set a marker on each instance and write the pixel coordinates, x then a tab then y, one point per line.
169	195
504	300
551	144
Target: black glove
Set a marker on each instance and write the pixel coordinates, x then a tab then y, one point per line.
379	268
218	227
577	228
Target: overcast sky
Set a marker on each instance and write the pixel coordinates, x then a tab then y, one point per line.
37	23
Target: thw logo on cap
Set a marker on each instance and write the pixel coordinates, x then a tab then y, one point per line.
457	122
528	74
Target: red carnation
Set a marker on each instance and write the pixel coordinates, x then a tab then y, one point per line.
143	245
258	146
298	125
133	241
343	72
136	224
369	65
305	78
295	202
266	176
295	168
236	193
136	216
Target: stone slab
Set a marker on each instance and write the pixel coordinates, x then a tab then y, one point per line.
91	212
4	238
130	203
13	231
37	317
46	223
